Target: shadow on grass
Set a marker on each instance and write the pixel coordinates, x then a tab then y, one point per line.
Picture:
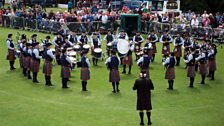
173	92
85	93
115	95
194	90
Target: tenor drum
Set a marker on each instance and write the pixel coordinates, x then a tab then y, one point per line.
97	53
122	47
53	50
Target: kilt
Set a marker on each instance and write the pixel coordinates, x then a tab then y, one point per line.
178	51
24	62
28	62
57	51
65	72
147	72
191	71
170	74
150	53
128	60
212	65
21	59
47	68
144	104
35	66
203	68
11	55
154	49
85	74
166	49
114	75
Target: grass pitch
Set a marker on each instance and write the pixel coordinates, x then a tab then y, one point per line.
23	103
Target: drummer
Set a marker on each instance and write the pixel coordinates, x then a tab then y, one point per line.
97	33
22	43
95	43
144	62
85	70
68	43
148	47
83	39
122	35
153	39
113	63
109	38
128	59
178	42
138	40
72	37
33	38
57	41
65	68
166	39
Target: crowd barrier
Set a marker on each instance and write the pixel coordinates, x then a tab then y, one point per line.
147	26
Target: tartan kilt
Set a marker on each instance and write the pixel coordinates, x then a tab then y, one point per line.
212	65
170	74
35	66
191	71
47	68
21	59
24	62
178	51
114	75
85	74
144	104
150	53
57	51
128	60
203	68
147	72
154	49
166	49
65	72
28	62
11	55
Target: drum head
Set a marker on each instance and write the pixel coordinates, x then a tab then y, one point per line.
98	50
86	46
72	59
72	53
122	46
109	44
76	46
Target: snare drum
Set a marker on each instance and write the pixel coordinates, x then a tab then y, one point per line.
77	48
86	47
109	45
18	53
97	53
70	49
72	53
72	59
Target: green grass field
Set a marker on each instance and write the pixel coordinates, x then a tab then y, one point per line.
23	103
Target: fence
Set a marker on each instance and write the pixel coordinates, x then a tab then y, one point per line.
147	26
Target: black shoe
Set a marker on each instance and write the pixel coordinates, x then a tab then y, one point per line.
118	90
129	72
114	91
212	79
36	81
50	85
149	123
124	72
142	124
65	87
202	82
191	86
29	77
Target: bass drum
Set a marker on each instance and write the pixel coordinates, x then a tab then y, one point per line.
122	47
